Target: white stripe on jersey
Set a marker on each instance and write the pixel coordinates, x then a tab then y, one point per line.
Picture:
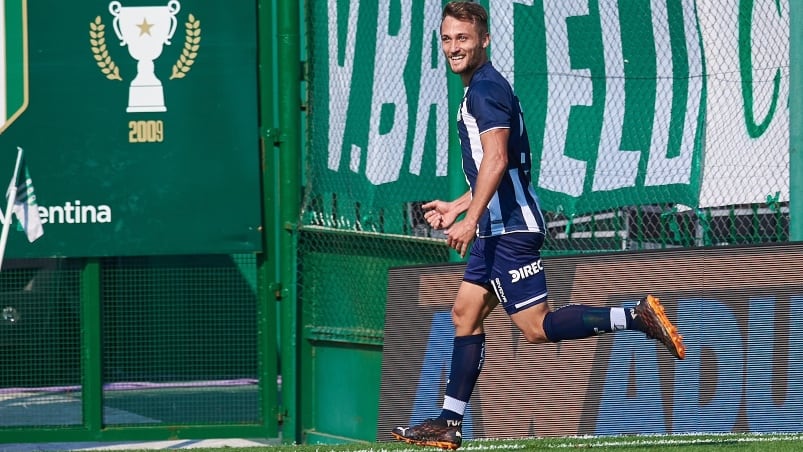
531	189
521	200
496	214
473	135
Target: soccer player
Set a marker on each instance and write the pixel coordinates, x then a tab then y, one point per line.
504	221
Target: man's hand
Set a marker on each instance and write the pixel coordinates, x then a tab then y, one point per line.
440	214
459	236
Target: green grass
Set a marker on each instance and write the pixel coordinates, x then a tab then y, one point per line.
638	443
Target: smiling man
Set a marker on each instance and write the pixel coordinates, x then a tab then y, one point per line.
503	220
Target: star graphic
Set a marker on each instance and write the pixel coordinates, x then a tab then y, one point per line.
145	27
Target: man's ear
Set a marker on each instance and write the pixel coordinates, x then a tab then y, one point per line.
486	40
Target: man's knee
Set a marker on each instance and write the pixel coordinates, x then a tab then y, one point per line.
473	304
531	323
463	317
535	335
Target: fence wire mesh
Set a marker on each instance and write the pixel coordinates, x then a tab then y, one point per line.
40	342
652	125
179	335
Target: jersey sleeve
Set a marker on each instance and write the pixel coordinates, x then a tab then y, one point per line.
490	104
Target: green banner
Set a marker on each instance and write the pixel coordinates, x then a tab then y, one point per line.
613	102
380	109
614	93
141	132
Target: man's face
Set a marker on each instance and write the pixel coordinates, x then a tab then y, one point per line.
463	46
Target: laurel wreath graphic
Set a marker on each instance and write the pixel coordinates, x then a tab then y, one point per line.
97	37
192	42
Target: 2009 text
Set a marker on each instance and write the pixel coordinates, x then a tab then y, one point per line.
150	131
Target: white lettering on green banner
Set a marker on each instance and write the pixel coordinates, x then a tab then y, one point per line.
626	102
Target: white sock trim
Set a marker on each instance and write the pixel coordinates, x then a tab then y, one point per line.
618	319
454	405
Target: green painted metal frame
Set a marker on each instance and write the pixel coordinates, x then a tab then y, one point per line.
267	261
288	70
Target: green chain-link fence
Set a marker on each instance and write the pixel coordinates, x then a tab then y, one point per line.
652	125
177	336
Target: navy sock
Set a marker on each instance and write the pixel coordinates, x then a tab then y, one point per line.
576	321
468	355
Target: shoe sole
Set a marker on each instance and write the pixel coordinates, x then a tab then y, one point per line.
441	444
669	335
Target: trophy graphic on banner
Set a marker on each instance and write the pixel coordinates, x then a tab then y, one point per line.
145	30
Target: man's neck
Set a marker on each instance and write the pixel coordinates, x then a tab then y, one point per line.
466	77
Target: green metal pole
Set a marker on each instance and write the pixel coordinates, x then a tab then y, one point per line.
289	112
267	265
795	121
91	348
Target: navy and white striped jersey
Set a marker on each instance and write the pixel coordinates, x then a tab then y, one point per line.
489	103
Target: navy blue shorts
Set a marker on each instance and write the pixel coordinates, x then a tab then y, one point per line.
510	265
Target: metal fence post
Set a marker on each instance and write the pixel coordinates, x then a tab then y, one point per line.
267	265
795	121
289	112
91	348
